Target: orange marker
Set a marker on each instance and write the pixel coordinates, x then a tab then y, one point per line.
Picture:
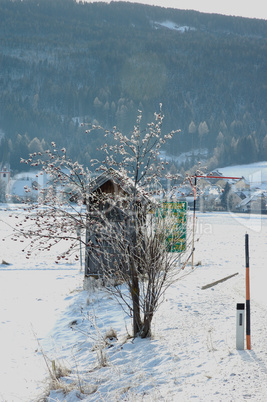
247	295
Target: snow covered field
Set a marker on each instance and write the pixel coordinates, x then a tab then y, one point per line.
192	354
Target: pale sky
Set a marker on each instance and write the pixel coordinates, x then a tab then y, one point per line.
241	8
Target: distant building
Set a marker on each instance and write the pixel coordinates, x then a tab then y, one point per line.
256	203
4	180
241	184
5	173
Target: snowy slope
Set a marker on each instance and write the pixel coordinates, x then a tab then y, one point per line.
254	173
192	354
173	26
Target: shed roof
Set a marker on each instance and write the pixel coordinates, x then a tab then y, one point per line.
123	182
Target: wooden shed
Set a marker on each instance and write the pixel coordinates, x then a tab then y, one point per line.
111	193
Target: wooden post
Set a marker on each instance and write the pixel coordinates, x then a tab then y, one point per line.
247	295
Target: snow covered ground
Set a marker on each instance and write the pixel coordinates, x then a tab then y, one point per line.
192	354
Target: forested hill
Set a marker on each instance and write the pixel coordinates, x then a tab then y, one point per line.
62	63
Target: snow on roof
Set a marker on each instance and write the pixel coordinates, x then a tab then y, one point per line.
123	181
252	197
212	191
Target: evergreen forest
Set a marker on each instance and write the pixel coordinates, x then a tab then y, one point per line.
65	65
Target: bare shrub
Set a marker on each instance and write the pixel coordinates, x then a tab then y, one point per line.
112	226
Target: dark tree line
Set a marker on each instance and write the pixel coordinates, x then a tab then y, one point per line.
63	63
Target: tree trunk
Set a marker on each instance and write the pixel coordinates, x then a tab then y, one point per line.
137	323
146	327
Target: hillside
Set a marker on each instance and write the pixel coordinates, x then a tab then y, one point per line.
63	63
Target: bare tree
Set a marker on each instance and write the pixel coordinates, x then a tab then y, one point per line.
148	255
131	250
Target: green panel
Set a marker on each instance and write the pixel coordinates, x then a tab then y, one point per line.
176	240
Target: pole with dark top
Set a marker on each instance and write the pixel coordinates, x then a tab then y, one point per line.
247	295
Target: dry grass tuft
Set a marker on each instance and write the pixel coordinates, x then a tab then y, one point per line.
59	371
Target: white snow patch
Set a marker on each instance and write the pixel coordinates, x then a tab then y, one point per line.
192	354
200	155
173	26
